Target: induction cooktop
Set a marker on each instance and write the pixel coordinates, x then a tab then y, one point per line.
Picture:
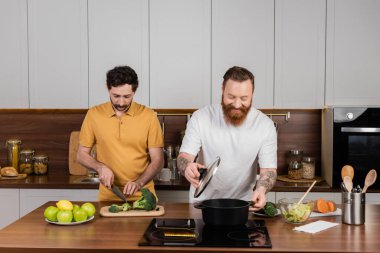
194	233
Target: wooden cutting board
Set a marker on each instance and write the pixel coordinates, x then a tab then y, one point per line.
159	211
74	167
19	176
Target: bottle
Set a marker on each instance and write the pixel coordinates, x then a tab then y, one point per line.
13	146
175	173
26	161
308	167
40	164
169	158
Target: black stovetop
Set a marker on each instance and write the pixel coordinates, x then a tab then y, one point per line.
193	232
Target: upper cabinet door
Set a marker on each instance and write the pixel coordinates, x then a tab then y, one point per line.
243	35
300	53
180	53
58	53
118	35
13	54
353	52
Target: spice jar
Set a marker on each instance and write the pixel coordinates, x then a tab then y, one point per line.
308	167
295	170
26	161
40	164
13	146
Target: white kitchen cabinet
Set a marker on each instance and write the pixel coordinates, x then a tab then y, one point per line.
180	61
299	53
30	199
13	54
333	196
353	52
9	208
243	35
118	35
183	196
58	53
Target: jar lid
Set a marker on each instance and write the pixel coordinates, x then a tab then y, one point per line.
295	165
40	157
296	152
27	151
13	141
308	159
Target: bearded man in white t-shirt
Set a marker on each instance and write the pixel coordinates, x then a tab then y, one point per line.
242	136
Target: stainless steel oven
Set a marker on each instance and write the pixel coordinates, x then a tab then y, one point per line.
350	135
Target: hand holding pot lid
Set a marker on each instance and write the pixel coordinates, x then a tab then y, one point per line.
205	176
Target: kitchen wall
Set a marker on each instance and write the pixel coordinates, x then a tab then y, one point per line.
304	54
47	131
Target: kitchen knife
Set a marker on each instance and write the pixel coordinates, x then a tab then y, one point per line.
118	193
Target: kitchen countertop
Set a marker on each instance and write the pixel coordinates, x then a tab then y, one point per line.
32	234
65	181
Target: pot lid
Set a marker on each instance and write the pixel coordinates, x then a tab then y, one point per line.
206	175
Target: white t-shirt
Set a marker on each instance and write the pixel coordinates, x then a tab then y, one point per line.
240	149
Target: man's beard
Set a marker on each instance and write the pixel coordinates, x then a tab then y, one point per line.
120	108
235	116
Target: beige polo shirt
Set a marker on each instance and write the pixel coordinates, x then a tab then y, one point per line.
122	143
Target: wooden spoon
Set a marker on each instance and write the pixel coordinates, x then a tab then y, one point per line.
347	170
348	183
304	195
369	180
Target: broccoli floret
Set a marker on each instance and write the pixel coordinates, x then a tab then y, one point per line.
147	201
115	208
126	207
270	209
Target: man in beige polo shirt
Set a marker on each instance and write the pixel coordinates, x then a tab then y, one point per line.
128	139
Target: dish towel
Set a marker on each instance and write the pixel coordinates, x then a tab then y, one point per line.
316	226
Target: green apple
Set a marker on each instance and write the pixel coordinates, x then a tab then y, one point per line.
80	214
75	207
64	216
50	213
89	208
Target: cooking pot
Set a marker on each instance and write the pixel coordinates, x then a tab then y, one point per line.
224	212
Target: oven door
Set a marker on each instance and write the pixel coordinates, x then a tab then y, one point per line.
359	147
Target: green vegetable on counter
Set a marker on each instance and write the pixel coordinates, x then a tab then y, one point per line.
114	208
147	201
270	209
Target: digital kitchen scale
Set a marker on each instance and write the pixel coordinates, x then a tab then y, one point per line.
194	233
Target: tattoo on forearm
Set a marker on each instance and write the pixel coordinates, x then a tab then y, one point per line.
182	164
267	180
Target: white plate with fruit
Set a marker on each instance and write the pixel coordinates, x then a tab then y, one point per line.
69	223
66	213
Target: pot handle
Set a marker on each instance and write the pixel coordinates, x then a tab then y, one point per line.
251	203
199	205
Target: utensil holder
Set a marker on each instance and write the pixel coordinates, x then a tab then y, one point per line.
353	208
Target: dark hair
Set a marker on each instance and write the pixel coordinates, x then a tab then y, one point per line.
122	75
239	74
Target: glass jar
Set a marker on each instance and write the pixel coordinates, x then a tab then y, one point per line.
308	167
40	164
26	161
295	156
13	147
295	170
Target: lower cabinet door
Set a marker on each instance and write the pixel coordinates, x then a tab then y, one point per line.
9	207
30	199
